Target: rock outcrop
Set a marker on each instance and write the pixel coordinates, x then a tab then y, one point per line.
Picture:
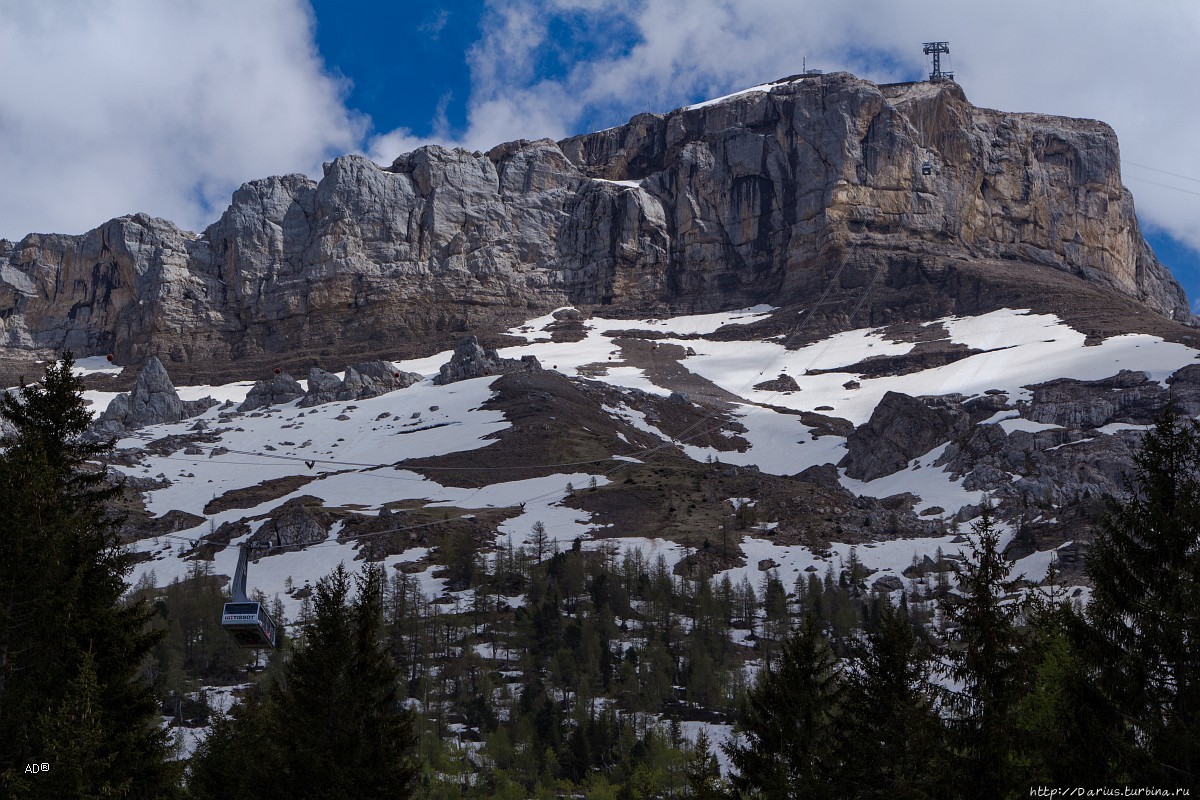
1128	397
900	429
152	401
783	383
291	525
472	360
759	197
323	387
362	381
1044	453
283	388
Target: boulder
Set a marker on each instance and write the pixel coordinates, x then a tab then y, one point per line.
887	583
322	388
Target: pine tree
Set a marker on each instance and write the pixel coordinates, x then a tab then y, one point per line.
1145	608
70	650
787	748
987	658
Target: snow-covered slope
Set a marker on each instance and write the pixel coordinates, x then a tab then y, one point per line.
342	456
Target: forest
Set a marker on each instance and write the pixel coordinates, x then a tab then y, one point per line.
574	672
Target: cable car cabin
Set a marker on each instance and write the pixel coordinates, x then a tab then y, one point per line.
927	168
247	621
249	624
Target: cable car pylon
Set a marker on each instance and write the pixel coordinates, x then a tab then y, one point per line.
246	620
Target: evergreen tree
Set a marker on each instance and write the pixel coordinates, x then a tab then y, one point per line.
890	733
243	754
1145	607
333	726
539	542
987	658
702	772
70	650
787	747
344	684
1068	734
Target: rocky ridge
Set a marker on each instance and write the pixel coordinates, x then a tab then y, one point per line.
762	196
472	360
361	382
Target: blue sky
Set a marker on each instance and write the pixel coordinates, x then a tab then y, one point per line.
405	69
116	106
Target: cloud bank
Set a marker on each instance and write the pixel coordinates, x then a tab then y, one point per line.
111	107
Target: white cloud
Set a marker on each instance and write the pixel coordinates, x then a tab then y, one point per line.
385	148
1128	64
116	106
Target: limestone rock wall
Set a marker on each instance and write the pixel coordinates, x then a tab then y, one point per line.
758	197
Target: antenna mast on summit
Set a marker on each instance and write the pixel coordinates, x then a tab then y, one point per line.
936	49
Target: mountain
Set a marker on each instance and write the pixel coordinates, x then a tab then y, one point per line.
764	196
748	334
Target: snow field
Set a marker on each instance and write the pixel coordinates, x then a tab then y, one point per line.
933	485
766	87
458	424
1022	349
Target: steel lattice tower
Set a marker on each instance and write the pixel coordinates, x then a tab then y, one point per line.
936	49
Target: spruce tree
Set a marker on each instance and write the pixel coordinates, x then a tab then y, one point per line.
890	733
702	772
1068	734
243	754
787	748
1145	607
344	685
333	726
987	659
70	650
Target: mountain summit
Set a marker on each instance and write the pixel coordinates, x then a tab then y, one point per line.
766	195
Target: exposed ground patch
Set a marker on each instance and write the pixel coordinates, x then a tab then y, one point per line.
251	496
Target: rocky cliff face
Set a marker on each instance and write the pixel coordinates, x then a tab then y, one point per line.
759	197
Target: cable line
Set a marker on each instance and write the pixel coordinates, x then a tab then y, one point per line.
1164	185
1163	171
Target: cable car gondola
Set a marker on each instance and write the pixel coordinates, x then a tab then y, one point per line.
247	621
